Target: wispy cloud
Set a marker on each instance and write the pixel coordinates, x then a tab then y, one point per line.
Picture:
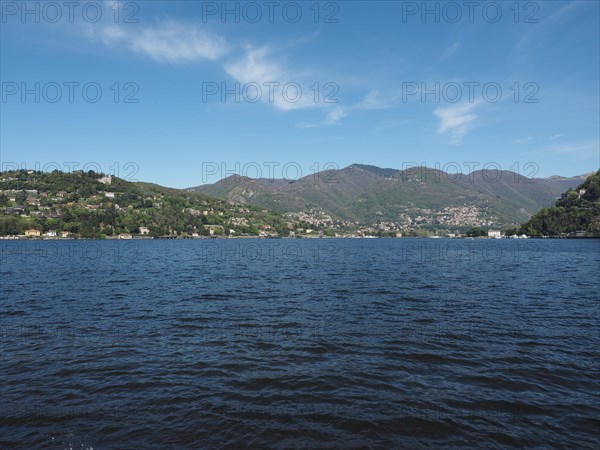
451	50
377	99
584	149
169	41
173	42
522	141
539	34
528	139
332	117
456	120
374	100
289	91
255	67
392	124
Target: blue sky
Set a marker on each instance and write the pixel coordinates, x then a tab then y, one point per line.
373	62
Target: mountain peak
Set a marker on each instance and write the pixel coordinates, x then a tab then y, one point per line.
384	172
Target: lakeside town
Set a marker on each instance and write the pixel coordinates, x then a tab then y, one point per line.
47	209
89	205
53	235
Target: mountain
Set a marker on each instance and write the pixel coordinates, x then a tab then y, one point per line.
357	200
415	197
577	212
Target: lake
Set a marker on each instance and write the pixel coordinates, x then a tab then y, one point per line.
283	343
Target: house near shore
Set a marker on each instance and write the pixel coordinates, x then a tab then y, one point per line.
144	230
494	234
33	233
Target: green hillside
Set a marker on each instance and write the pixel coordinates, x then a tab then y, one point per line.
577	212
79	204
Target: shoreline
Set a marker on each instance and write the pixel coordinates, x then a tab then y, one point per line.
172	238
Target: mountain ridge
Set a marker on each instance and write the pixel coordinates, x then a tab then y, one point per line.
366	194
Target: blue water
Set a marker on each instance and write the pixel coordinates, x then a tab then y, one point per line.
358	343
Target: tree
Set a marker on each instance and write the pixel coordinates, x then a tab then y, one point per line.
21	198
10	226
476	232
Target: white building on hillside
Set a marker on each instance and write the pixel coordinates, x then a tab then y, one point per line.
106	179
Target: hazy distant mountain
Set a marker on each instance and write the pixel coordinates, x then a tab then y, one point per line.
369	194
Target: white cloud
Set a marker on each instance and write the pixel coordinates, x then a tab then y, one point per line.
172	41
169	41
332	117
290	91
456	120
336	115
254	67
556	136
113	33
